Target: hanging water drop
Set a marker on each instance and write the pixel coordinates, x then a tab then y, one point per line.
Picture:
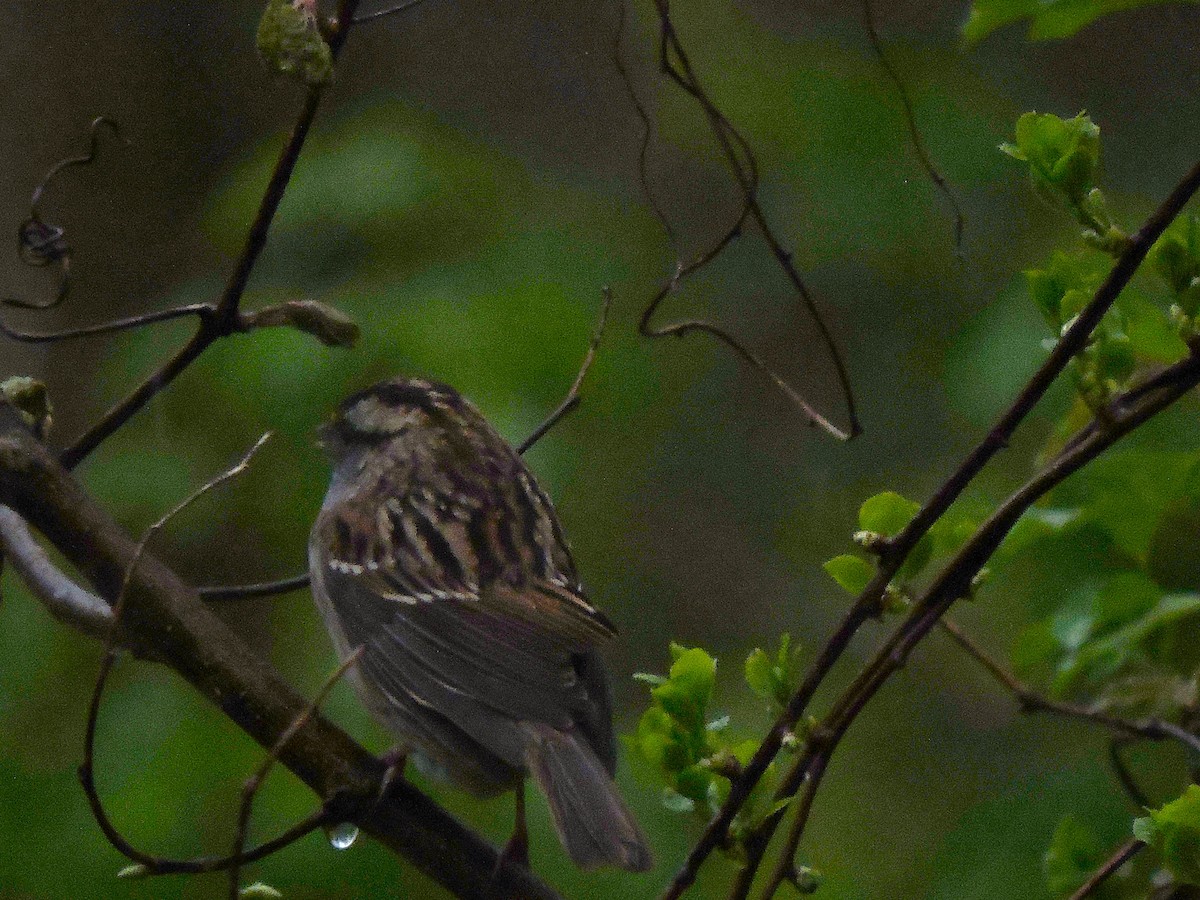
343	835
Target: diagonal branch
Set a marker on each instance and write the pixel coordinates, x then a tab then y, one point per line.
164	614
224	321
952	583
897	549
1121	855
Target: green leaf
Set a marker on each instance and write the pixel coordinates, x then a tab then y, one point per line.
918	558
259	891
1063	156
759	673
696	672
290	43
1073	854
773	677
676	802
1048	19
1174	830
851	572
886	513
693	783
1176	258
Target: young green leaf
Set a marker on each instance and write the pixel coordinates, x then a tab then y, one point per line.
1174	830
886	513
851	572
1073	854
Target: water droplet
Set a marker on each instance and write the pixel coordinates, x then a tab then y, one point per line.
343	835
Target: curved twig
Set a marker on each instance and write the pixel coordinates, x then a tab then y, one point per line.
910	117
250	789
867	605
87	768
40	244
150	318
675	63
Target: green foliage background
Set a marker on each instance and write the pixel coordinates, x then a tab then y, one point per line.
469	190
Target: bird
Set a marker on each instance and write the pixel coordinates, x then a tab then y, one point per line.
438	558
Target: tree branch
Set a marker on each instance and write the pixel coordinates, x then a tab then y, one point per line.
225	319
164	614
954	582
1122	855
1030	701
66	601
897	549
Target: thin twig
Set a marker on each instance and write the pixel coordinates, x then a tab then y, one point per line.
572	399
954	582
87	769
250	789
918	143
225	320
379	14
618	61
1031	701
150	318
739	155
1124	776
1121	855
261	589
897	549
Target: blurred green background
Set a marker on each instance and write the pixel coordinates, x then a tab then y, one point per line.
468	190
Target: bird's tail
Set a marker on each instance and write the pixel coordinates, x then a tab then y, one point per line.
591	819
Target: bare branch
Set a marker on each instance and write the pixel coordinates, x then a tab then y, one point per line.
739	155
261	589
128	324
330	326
910	118
572	399
1166	387
1122	855
250	789
66	601
1031	701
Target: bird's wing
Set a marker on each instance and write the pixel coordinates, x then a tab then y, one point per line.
465	604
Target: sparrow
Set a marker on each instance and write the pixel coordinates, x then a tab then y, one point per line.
437	553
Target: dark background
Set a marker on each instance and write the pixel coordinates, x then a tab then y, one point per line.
468	190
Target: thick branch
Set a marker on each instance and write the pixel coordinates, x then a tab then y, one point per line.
164	614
